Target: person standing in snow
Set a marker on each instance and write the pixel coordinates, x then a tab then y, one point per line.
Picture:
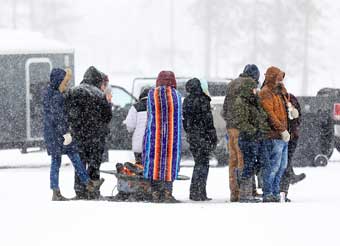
250	72
201	135
89	111
252	122
294	113
162	139
274	104
57	134
136	123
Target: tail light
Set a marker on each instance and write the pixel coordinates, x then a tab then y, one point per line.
336	112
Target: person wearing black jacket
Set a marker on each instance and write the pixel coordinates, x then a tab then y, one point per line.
201	135
89	112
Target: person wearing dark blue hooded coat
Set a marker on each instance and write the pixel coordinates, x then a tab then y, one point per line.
57	133
198	124
89	111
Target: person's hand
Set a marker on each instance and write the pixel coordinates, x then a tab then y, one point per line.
285	136
67	138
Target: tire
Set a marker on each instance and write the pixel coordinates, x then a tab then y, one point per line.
337	144
320	161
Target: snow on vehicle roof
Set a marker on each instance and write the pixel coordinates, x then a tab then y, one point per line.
27	42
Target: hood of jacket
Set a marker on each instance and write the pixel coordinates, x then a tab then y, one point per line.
93	77
193	86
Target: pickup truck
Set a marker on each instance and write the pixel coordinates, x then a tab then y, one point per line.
320	128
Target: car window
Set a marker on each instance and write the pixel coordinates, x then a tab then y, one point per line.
120	97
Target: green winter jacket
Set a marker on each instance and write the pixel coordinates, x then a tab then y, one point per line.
250	118
232	92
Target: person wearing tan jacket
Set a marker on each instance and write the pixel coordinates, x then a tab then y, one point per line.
274	104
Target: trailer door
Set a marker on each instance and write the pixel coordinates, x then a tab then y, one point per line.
37	77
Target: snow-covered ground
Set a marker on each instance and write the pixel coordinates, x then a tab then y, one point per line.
28	217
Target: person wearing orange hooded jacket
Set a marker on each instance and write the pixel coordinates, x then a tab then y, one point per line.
277	144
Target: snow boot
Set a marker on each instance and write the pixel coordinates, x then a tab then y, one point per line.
297	178
94	185
156	196
269	198
246	191
168	198
57	196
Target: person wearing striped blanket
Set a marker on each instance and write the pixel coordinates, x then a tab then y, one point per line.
162	139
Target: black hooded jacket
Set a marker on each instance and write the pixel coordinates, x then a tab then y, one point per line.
198	120
88	110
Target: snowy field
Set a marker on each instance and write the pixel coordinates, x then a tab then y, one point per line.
28	217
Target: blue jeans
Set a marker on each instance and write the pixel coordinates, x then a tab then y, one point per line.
250	151
275	167
78	166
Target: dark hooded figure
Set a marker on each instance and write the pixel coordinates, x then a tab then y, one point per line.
57	134
89	111
201	135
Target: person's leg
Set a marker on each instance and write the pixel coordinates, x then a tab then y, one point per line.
54	178
79	168
79	188
54	172
194	185
272	167
249	152
138	157
200	175
234	163
281	170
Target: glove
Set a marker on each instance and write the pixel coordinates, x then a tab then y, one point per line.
285	136
67	138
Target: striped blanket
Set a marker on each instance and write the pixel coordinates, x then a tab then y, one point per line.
162	139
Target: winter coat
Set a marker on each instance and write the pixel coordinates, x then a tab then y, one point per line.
251	119
162	139
136	122
88	110
198	120
273	103
295	123
54	116
232	92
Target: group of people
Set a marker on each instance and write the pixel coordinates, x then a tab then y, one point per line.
76	123
262	128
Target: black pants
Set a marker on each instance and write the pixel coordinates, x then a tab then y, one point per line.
285	181
91	156
199	175
138	157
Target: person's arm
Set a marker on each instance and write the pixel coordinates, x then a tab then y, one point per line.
266	100
131	119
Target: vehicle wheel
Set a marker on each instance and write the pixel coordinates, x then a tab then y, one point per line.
320	161
337	144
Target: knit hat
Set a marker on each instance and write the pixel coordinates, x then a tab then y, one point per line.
166	78
252	71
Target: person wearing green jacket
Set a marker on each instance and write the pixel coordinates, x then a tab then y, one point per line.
252	122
